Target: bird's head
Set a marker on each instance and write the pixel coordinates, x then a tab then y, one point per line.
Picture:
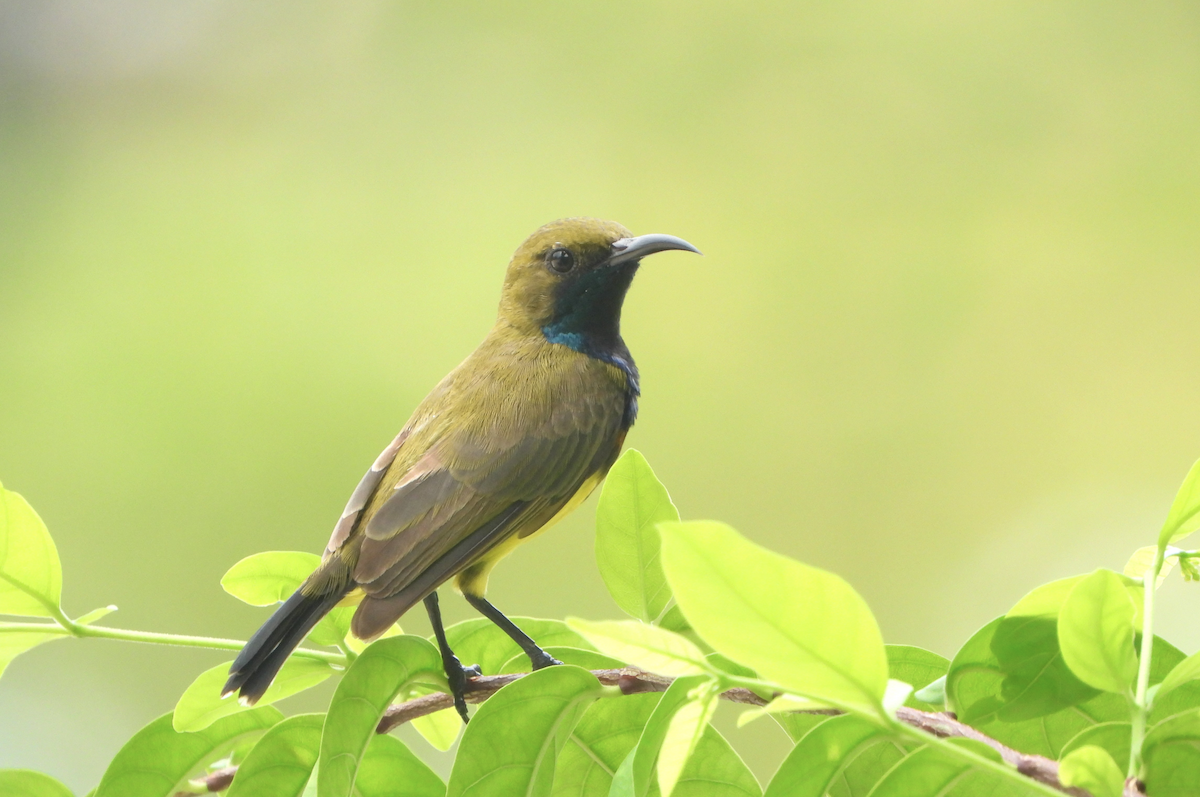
568	280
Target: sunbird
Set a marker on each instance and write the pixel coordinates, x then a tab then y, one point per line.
510	441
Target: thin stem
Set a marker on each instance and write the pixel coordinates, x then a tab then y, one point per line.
1140	707
66	622
67	627
39	628
347	652
181	640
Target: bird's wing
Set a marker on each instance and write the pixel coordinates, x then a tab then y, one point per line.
363	492
469	493
460	487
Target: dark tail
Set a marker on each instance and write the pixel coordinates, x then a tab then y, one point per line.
259	662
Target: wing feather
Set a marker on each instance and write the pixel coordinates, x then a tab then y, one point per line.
465	481
418	525
427	486
376	613
363	492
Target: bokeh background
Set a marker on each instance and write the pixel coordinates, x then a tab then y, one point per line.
944	340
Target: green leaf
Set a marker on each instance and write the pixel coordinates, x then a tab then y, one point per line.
797	725
802	628
1113	737
637	771
936	770
1184	515
622	781
652	648
334	628
310	789
933	696
781	705
158	761
824	753
14	642
974	688
96	614
383	670
1164	658
1187	670
263	579
716	770
867	768
918	667
977	747
479	641
1172	756
30	573
1049	735
1092	768
27	783
512	742
726	664
1095	633
282	761
201	703
1143	559
632	502
607	733
1180	700
270	577
1036	680
895	696
683	734
390	769
16	639
441	728
713	770
580	657
674	620
975	691
974	678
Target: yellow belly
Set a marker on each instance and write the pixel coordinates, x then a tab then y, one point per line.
473	580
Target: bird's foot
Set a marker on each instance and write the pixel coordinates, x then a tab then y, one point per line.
539	659
457	676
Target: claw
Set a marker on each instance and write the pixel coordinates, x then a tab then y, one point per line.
539	658
457	676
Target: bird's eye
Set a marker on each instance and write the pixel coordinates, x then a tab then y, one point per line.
561	260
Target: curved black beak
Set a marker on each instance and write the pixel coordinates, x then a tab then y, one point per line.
627	249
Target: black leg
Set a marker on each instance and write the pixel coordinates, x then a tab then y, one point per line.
537	657
456	673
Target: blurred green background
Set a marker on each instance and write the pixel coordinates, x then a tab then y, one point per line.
943	342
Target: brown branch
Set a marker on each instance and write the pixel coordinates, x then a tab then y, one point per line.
1134	788
633	681
944	725
218	780
478	689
